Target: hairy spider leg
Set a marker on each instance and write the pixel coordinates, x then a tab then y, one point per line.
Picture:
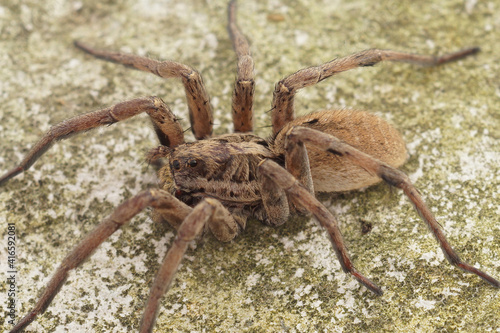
393	177
244	85
284	91
165	123
200	109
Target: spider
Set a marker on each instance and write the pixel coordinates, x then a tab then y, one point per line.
217	183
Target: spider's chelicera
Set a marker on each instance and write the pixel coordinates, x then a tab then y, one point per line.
217	183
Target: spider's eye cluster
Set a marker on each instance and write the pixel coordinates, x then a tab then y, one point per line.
176	165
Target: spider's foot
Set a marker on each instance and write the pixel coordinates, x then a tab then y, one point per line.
10	174
367	283
471	269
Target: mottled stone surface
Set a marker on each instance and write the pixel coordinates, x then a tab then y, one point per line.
268	280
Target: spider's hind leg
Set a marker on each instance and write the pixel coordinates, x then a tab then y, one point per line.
285	90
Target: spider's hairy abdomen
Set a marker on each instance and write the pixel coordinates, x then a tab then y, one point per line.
364	131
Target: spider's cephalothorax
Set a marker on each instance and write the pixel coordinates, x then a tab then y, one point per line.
217	183
224	168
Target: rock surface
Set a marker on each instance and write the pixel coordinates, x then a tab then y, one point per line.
268	280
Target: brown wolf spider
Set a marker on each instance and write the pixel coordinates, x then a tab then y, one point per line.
216	183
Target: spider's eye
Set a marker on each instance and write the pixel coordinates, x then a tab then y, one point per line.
176	165
193	163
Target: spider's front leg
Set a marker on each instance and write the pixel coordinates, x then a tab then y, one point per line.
121	216
209	211
280	180
393	177
194	219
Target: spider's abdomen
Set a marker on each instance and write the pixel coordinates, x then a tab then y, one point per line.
364	131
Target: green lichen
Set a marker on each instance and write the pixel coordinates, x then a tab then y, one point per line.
268	280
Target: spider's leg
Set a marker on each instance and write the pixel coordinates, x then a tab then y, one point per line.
245	84
200	110
395	178
274	198
166	125
121	216
284	91
209	211
305	199
297	163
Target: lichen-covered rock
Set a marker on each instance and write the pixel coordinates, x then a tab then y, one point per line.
267	280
